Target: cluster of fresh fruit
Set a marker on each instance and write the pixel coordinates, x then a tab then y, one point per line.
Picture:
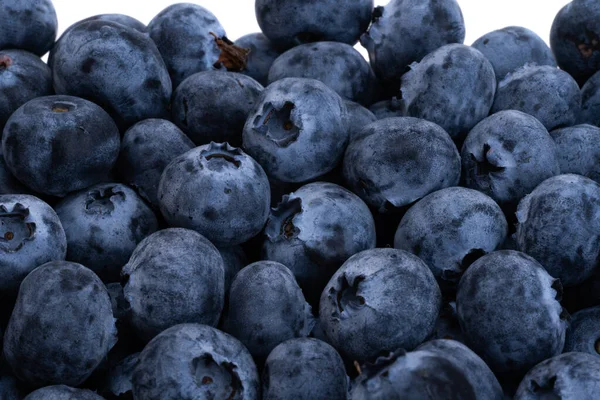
185	217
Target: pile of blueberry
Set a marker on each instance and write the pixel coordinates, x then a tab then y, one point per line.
186	217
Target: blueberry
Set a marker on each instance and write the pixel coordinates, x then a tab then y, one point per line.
357	118
29	25
62	325
304	369
590	101
193	361
545	92
174	276
114	66
416	375
217	190
298	130
379	300
294	22
234	259
507	155
314	230
261	56
574	39
457	76
578	150
104	223
559	224
387	109
119	379
191	40
447	326
266	308
212	106
386	175
567	376
584	332
9	387
511	48
450	229
72	137
479	375
8	183
147	148
338	65
509	311
62	392
23	77
30	235
405	31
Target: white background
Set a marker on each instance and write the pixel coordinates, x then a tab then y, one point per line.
238	19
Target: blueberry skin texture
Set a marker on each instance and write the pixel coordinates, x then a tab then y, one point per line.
62	326
479	375
261	56
544	92
62	392
182	33
72	137
387	109
266	308
590	101
212	106
31	234
191	361
379	300
511	48
578	150
23	76
114	66
357	118
507	155
384	174
230	183
338	65
583	334
314	230
298	130
146	150
457	76
295	22
234	259
104	224
451	228
405	31
559	225
569	376
416	375
508	308
304	369
8	183
9	387
29	25
174	276
119	378
573	39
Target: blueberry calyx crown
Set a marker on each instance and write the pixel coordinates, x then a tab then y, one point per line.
15	228
347	298
207	371
222	151
278	124
281	223
232	57
5	61
102	201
